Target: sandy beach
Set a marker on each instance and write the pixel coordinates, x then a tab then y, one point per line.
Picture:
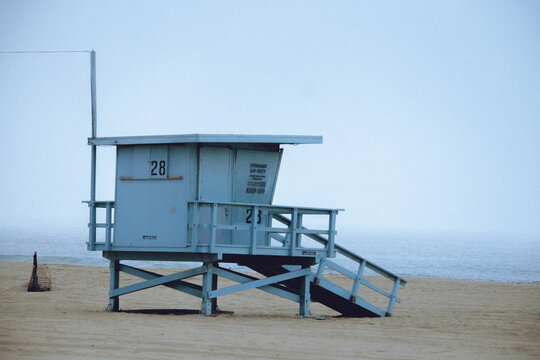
438	319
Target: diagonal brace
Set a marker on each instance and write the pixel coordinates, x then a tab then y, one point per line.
242	278
188	288
162	280
259	283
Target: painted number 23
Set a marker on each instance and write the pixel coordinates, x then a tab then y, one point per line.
157	167
249	213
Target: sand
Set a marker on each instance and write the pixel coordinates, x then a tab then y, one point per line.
438	319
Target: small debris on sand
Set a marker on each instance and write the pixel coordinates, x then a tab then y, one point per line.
40	279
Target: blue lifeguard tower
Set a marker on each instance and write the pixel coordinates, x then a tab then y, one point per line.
208	199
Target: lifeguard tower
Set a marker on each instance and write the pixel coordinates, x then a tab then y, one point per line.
208	199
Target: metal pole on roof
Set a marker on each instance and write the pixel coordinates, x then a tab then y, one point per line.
94	122
92	234
93	89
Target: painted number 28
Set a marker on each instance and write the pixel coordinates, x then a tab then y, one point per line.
157	167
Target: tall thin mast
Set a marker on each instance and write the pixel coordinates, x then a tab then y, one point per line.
93	159
93	91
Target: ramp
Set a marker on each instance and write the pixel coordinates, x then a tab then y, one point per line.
347	302
325	294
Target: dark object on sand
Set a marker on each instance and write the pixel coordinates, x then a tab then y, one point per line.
40	279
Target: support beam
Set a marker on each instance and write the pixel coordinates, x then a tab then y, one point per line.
319	274
305	296
206	304
179	285
114	301
259	283
243	279
157	281
215	308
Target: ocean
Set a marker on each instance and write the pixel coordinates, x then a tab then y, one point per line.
450	256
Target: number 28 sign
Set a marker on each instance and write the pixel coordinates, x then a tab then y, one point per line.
158	168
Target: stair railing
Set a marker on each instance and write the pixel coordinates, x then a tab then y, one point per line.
358	277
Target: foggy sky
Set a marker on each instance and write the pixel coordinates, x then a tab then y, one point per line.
430	111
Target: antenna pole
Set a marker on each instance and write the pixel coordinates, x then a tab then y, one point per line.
93	91
92	234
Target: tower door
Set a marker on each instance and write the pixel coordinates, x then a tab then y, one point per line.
151	195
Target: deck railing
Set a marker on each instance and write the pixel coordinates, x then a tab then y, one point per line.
258	220
93	225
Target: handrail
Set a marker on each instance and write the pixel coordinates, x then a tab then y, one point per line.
345	252
285	208
358	277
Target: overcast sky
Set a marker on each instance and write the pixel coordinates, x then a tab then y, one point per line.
430	110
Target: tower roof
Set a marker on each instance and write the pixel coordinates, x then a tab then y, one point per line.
206	138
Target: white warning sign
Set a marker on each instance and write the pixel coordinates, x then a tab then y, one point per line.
255	173
256	178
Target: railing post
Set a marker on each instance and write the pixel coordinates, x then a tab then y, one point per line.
292	232
286	237
331	233
299	226
393	297
356	282
108	244
92	226
254	220
267	224
195	226
213	228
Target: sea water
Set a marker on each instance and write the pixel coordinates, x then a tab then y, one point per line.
452	256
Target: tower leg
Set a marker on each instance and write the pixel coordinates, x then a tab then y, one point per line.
114	301
206	305
305	296
215	308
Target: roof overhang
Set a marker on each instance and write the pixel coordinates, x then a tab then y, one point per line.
206	138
